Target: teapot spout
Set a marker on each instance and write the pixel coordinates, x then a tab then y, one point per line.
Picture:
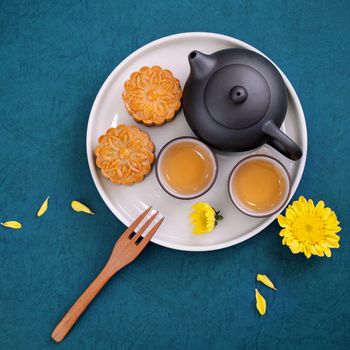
200	64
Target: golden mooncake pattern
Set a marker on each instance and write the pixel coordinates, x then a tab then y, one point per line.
125	154
152	95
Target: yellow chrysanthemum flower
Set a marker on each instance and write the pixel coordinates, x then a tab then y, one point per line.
309	229
204	218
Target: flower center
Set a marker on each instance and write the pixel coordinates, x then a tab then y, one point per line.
309	228
152	94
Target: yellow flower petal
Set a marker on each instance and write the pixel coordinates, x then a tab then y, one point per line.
282	232
282	220
294	246
319	249
332	236
80	207
332	244
311	203
12	224
326	213
327	252
299	207
265	280
333	229
303	200
260	303
319	206
332	241
326	249
313	250
290	213
43	207
307	251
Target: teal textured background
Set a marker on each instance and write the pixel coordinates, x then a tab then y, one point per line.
54	56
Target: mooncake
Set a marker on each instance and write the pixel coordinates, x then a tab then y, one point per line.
125	154
152	95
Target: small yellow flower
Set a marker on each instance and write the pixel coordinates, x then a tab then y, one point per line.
204	218
309	229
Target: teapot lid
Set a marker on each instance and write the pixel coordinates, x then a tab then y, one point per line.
237	96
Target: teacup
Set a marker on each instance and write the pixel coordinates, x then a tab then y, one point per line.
186	168
259	185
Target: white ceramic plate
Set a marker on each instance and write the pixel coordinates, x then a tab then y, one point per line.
127	202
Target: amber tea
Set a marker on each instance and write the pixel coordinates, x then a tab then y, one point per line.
259	185
187	168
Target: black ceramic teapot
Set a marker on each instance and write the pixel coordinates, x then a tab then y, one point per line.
236	100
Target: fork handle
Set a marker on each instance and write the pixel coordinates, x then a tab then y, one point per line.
77	309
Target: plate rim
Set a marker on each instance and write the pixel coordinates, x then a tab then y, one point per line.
162	40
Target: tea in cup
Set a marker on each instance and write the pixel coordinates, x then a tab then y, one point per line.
259	185
186	168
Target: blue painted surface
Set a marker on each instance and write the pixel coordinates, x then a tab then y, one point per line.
54	56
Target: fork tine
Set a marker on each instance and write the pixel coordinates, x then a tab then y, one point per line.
143	228
150	234
132	227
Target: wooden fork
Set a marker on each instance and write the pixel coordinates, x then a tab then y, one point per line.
125	251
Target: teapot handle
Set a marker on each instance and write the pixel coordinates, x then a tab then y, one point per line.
281	142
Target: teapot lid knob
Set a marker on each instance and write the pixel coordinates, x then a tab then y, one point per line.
238	94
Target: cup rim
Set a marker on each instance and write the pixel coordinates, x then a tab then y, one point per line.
282	205
202	144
